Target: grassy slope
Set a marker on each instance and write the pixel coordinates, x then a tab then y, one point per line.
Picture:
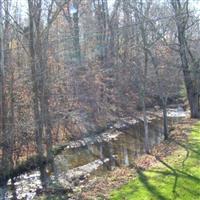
177	177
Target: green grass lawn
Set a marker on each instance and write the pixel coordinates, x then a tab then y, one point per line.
177	177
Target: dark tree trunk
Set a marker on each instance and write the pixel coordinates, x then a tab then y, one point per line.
6	102
165	121
182	16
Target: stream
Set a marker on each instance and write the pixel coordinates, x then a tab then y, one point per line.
118	146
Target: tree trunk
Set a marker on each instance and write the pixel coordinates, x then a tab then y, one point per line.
182	15
7	109
34	67
165	121
162	95
146	127
192	93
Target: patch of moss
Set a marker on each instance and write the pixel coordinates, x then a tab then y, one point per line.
177	177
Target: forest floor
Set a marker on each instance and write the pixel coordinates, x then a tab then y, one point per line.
171	171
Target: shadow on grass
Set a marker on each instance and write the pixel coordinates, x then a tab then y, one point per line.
192	191
176	173
152	189
188	147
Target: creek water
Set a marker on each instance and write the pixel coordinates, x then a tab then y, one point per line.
95	157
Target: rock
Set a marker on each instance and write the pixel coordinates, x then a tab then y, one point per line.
76	182
180	109
82	177
156	108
